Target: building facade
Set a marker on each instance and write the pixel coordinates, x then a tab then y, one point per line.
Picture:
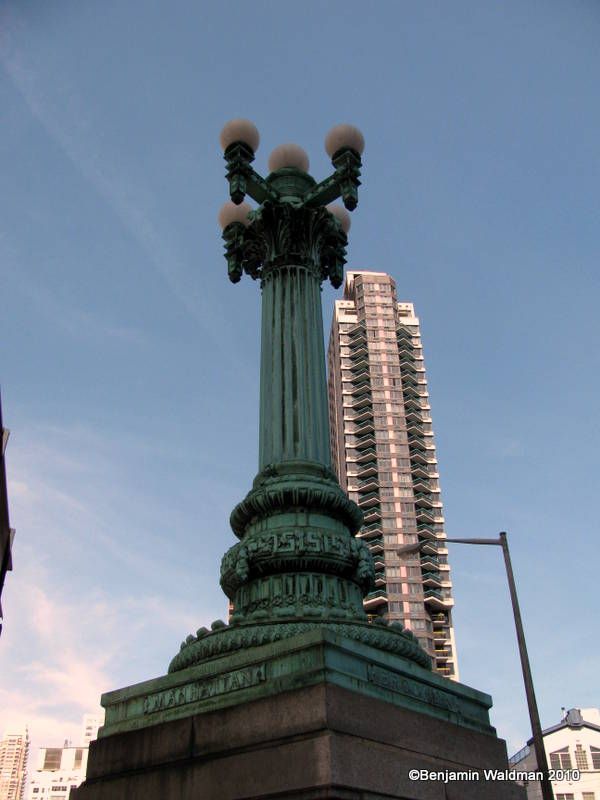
573	753
60	769
14	751
384	454
6	532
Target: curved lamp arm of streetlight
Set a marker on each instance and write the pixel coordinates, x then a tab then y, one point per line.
343	183
243	179
344	145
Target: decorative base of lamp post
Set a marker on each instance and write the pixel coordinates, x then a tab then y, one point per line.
317	715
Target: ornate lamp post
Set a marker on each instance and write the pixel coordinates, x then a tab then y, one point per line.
278	703
298	564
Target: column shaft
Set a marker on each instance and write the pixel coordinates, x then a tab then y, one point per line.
294	423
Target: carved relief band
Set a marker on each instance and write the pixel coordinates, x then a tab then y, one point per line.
303	594
200	690
397	683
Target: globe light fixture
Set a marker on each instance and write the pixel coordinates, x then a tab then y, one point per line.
288	155
231	213
342	216
344	137
240	131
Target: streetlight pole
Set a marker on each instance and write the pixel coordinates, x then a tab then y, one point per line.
298	565
536	728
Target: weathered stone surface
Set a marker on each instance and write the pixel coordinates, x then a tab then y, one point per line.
320	741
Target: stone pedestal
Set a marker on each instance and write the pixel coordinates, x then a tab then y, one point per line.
314	716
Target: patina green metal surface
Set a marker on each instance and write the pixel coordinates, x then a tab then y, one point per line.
297	577
298	561
304	656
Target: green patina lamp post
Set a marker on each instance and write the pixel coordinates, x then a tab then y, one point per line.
299	695
298	564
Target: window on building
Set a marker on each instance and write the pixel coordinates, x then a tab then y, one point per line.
595	751
588	796
561	759
581	759
409	539
567	796
52	758
78	757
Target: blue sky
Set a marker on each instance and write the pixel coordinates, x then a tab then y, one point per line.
129	363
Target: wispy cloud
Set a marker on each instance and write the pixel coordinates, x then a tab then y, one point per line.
68	480
71	630
510	448
46	302
50	678
61	653
66	120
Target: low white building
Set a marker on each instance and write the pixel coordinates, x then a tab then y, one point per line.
573	752
60	769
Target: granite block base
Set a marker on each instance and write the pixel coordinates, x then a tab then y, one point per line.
323	732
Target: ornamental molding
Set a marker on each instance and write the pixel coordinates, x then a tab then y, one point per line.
302	549
285	235
303	488
227	639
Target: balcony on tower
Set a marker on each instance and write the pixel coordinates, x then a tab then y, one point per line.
375	600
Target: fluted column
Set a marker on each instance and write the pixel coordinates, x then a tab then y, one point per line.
294	424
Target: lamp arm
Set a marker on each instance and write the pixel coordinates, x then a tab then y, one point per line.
243	181
258	189
323	193
242	178
497	542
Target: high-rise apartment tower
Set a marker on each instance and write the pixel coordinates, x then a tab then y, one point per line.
14	749
384	455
